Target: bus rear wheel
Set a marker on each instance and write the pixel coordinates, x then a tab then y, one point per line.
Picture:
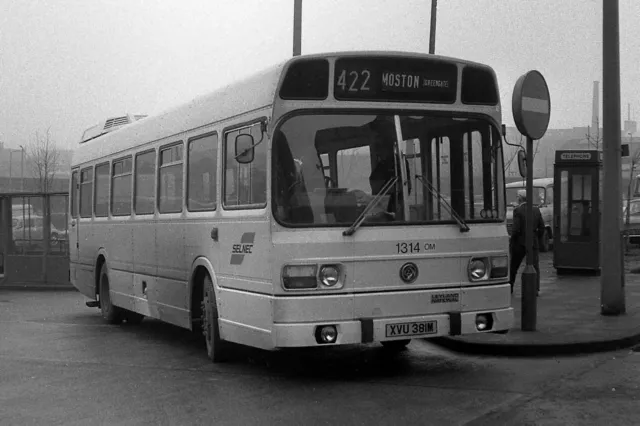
216	347
112	314
395	345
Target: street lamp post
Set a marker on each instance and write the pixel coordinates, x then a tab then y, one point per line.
10	174
22	168
432	30
612	293
297	27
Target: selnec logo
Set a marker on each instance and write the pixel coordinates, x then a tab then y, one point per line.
238	251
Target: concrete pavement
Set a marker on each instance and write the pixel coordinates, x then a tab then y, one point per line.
568	318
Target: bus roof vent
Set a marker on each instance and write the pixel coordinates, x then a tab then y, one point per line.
109	125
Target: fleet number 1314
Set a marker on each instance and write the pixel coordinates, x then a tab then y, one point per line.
414	247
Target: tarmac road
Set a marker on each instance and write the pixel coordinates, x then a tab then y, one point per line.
60	364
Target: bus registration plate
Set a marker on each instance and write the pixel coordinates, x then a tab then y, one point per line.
411	328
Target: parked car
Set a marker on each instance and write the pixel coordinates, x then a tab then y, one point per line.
28	231
542	197
634	220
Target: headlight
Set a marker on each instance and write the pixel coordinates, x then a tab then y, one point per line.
477	269
303	277
499	266
330	276
295	277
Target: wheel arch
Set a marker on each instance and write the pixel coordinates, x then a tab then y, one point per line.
200	268
101	259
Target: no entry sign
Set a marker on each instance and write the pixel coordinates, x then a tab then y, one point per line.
531	105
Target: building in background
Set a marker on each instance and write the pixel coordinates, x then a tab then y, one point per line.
545	148
13	170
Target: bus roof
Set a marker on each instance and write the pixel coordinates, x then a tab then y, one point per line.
373	53
252	93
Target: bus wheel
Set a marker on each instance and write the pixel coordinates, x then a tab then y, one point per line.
216	347
112	314
133	318
395	345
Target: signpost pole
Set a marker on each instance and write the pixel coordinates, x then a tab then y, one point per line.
531	105
529	276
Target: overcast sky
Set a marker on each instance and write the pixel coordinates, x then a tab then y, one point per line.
67	64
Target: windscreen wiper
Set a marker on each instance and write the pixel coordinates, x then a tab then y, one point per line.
376	200
463	225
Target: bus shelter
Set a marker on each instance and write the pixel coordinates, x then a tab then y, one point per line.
577	206
34	243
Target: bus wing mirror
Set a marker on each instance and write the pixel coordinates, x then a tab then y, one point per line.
522	163
244	149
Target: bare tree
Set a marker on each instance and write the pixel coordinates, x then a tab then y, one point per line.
595	140
44	157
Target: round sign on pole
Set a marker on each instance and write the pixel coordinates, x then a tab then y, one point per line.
531	105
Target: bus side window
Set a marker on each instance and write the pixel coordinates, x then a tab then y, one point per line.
101	197
86	192
245	184
144	197
121	187
202	171
170	179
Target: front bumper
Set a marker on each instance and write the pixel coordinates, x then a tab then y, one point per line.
363	318
374	330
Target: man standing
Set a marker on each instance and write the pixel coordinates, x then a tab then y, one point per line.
517	242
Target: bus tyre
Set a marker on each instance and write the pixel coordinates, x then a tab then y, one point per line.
395	345
112	314
216	347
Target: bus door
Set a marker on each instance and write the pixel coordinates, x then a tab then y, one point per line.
74	222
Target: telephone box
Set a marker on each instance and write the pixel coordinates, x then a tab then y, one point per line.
577	207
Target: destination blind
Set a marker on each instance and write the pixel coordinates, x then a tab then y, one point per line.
395	79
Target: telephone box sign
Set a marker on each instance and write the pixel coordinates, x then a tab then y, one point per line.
531	105
575	156
591	156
